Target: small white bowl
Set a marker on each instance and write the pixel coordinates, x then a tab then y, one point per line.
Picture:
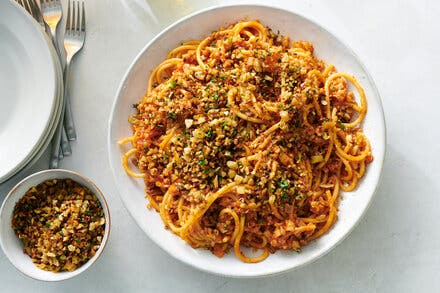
13	247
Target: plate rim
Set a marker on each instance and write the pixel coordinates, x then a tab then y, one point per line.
33	25
56	117
324	28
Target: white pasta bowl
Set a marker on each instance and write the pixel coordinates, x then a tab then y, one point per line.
13	247
197	26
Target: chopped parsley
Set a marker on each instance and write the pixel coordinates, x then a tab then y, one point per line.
171	115
203	162
208	134
173	84
341	124
283	142
300	196
284	184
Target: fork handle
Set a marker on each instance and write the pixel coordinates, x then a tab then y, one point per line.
55	151
56	142
54	39
53	32
69	125
64	149
65	145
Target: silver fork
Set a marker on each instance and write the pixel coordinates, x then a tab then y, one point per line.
52	13
32	8
74	38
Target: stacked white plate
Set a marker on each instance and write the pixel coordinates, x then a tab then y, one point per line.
31	90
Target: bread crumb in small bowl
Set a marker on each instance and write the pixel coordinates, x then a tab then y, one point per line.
54	225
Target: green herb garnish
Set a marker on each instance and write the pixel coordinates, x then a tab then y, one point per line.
283	142
173	84
208	134
284	184
341	124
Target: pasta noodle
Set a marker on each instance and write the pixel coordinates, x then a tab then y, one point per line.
245	139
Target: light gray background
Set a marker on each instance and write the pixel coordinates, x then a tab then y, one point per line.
395	248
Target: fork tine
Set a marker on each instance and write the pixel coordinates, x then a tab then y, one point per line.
73	24
83	18
34	8
32	5
69	19
27	7
78	15
73	16
24	4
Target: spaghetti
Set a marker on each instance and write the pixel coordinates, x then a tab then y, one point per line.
245	139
